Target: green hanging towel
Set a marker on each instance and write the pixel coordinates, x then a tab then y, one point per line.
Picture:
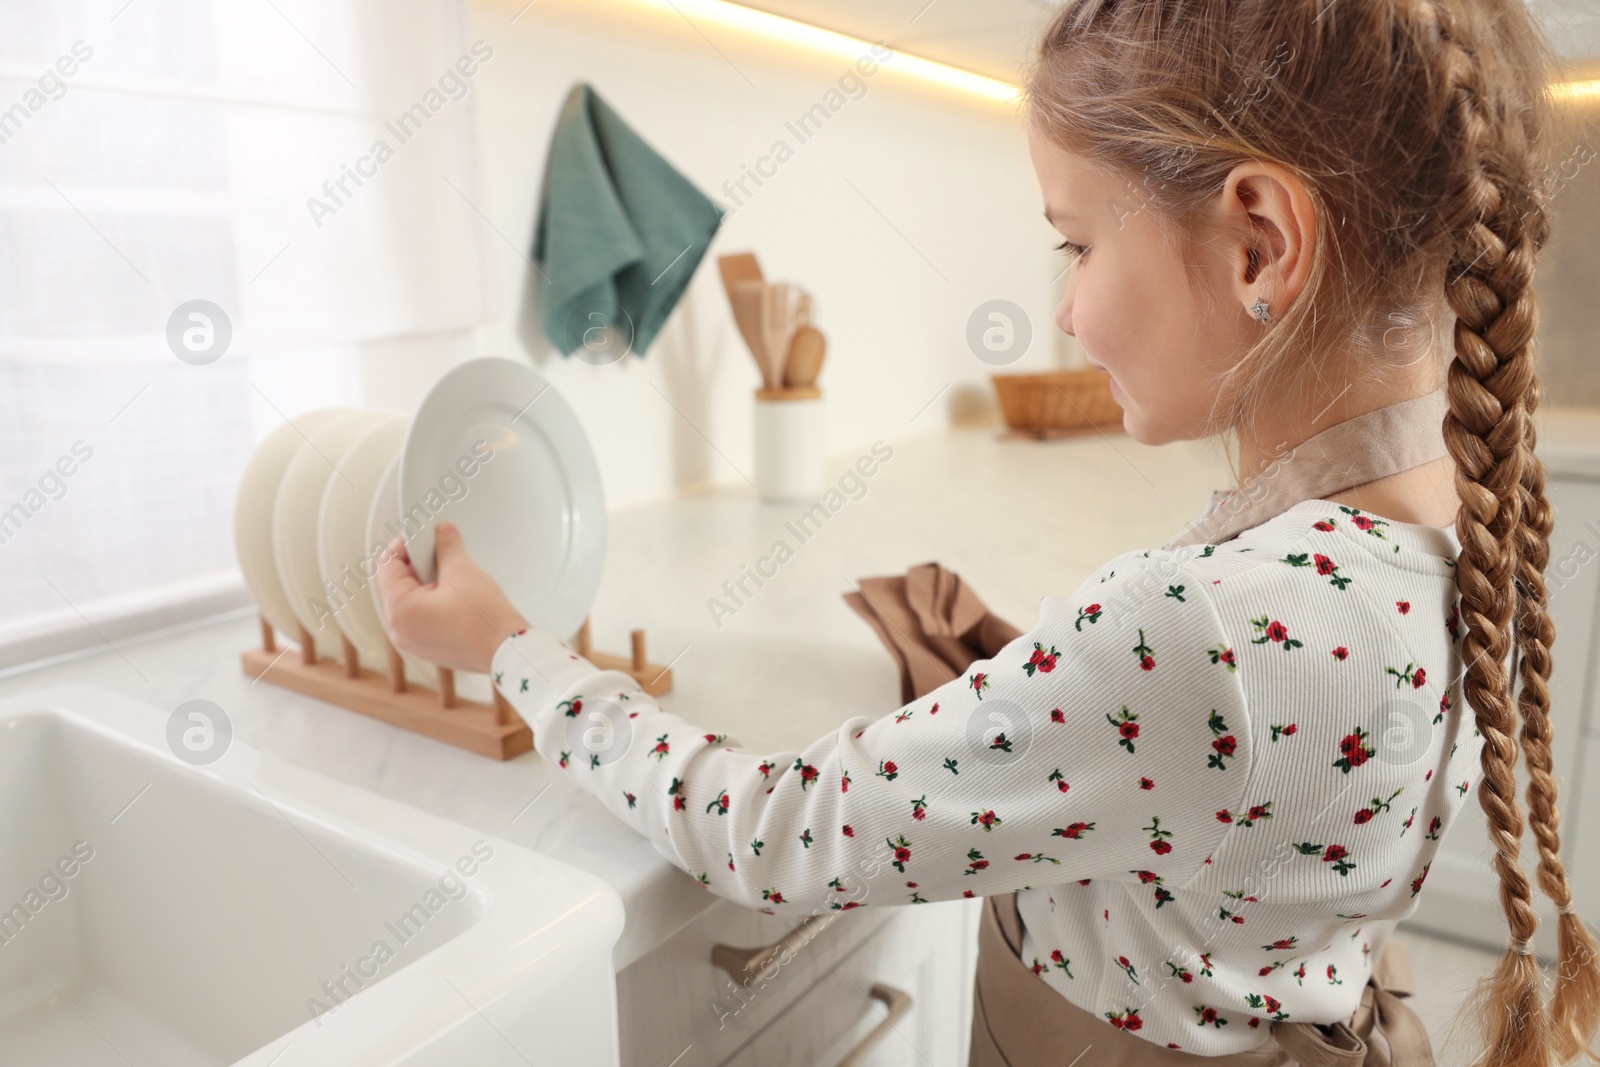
620	231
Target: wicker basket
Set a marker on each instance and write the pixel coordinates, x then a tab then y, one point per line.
1058	403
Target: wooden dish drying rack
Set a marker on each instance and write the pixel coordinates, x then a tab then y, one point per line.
494	730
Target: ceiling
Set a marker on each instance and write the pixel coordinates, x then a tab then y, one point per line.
995	37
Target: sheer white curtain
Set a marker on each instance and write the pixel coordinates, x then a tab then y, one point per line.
157	152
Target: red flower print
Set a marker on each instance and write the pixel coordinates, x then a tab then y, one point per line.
1354	751
901	848
1127	727
1325	566
662	748
1364	815
1090	614
1417	682
849	831
888	770
1146	877
1322	524
1289	730
1158	843
979	683
1209	1016
1057	716
1224	815
808	773
1341	652
1144	653
1416	884
720	805
1274	631
976	862
1145	783
1126	1019
1074	831
987	819
1041	660
1224	745
919	808
1404	606
1334	852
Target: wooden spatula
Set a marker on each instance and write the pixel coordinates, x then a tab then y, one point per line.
736	271
777	329
741	267
747	298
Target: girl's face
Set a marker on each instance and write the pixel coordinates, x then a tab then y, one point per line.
1129	303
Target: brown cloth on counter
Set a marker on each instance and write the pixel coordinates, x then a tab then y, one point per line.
933	624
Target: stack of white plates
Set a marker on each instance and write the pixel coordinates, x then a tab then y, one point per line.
493	448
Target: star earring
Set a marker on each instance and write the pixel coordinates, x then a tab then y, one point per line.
1259	310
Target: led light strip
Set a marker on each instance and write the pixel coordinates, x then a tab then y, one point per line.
1575	90
787	30
829	42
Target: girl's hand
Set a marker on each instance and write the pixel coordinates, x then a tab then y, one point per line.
457	621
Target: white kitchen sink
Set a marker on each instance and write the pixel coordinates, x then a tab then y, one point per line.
251	911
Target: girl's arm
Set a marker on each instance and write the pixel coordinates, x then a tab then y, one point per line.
1110	741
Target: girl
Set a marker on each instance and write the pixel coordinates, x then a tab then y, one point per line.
1204	788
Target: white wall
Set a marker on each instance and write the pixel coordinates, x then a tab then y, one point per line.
947	170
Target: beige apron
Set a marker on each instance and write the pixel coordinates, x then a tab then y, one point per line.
1020	1021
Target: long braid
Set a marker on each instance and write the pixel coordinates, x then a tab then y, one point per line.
1488	286
1575	1007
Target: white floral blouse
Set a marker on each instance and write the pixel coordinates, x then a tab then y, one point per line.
1215	776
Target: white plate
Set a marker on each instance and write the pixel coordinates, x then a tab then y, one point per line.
346	560
252	514
294	521
383	525
497	451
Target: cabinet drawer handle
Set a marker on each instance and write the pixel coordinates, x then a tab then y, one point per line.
898	1002
742	963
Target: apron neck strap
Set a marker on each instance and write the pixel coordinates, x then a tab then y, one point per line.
1373	445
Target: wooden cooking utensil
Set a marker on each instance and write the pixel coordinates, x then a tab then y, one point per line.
804	361
777	330
735	269
747	297
741	267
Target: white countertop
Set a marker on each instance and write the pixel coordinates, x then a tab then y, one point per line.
1016	519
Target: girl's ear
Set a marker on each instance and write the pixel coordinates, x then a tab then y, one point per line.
1273	218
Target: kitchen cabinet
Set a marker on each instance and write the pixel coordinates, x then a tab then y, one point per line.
894	984
1461	897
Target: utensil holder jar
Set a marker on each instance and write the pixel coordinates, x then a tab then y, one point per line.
789	443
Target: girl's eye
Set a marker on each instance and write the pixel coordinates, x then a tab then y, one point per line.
1073	251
